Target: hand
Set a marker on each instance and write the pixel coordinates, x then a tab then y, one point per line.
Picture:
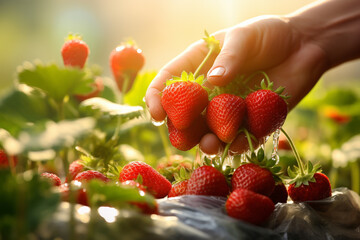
288	49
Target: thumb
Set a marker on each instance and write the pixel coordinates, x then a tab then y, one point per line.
238	43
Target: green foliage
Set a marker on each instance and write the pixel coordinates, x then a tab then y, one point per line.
54	81
25	201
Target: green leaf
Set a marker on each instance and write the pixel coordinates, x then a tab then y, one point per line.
42	139
135	97
55	82
116	195
100	106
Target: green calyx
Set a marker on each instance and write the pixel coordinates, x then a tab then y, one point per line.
182	175
186	77
212	44
303	178
73	36
261	160
300	174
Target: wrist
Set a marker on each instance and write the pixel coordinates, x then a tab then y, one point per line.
333	26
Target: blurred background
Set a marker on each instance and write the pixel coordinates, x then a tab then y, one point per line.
161	28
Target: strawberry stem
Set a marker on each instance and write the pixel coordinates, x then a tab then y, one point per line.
249	78
225	153
196	74
248	137
124	87
296	154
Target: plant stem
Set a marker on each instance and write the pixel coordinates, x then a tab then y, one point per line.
196	74
124	87
256	73
248	137
296	154
225	153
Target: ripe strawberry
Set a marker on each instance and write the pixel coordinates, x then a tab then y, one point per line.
253	177
280	194
184	100
316	189
74	169
207	180
53	178
74	52
224	116
156	183
266	112
188	138
4	159
80	194
249	206
126	61
90	175
98	87
178	189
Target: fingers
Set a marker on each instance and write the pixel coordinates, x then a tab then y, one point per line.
237	43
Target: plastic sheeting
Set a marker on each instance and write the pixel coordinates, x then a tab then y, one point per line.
203	217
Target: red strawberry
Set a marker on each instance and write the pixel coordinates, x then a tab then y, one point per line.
283	143
224	116
53	178
188	138
178	189
156	183
4	159
126	61
249	206
316	189
98	87
79	194
74	169
90	175
184	100
253	177
207	180
74	52
280	194
266	112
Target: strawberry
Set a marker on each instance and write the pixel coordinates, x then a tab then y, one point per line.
80	194
90	175
98	87
317	188
156	183
178	189
74	169
5	159
53	178
266	112
188	138
249	206
253	177
283	143
307	183
280	194
74	51
184	100
126	60
224	116
207	180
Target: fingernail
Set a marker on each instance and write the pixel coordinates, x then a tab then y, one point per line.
217	72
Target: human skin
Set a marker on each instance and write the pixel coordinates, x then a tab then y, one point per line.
295	50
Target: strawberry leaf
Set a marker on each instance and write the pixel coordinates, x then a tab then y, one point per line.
42	139
55	82
100	107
